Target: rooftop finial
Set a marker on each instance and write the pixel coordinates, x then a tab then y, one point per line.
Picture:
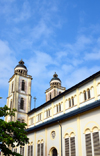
21	62
55	75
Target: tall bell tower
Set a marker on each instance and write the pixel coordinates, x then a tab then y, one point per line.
55	88
19	94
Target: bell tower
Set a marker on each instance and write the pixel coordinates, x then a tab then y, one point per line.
19	94
55	88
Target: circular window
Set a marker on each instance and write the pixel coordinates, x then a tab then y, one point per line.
53	134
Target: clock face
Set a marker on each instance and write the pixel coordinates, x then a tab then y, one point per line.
53	134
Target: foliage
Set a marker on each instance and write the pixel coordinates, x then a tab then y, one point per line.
11	133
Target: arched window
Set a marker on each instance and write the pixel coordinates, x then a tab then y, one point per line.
40	148
69	102
72	101
59	107
19	120
22	120
22	103
70	145
23	85
85	96
22	151
92	142
30	150
88	92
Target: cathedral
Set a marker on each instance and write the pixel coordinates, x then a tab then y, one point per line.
67	124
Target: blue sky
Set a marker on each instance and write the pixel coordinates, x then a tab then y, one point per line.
49	35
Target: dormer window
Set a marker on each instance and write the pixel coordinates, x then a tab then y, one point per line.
23	85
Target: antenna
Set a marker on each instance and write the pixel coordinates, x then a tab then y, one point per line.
34	101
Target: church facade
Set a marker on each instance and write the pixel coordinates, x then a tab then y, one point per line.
67	124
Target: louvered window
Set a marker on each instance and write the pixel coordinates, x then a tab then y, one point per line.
96	143
42	149
22	151
88	144
22	103
23	85
92	144
38	150
30	150
72	146
67	147
15	150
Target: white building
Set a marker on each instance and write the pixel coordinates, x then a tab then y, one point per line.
67	124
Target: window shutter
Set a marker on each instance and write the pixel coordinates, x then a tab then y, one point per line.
23	151
42	149
67	147
15	150
72	145
88	144
28	150
38	150
96	143
31	150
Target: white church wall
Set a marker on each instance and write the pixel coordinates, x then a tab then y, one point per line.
88	120
70	126
87	102
53	142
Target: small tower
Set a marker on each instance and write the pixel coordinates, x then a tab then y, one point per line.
55	88
19	94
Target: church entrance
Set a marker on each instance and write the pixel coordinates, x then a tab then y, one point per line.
54	152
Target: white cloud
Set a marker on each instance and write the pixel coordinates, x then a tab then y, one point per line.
80	44
41	30
92	56
7	60
24	13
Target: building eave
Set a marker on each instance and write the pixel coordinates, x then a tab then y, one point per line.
66	92
66	116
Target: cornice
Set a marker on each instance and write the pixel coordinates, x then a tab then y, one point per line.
68	115
67	91
20	74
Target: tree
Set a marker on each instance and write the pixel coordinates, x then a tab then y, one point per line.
11	133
